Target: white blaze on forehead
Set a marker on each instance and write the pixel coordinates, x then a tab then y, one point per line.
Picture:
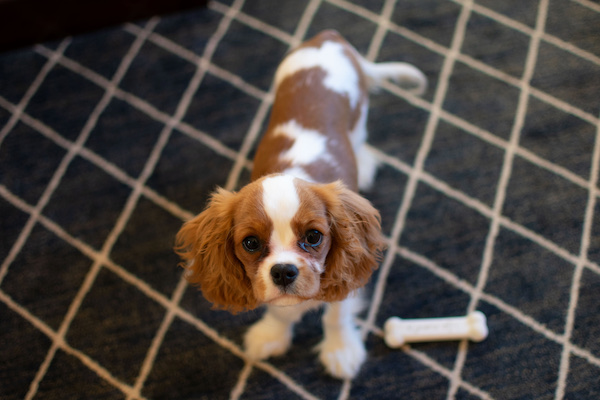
341	76
281	202
309	145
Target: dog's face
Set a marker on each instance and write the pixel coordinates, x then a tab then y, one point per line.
284	246
281	240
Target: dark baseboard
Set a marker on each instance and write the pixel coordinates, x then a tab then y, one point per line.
25	22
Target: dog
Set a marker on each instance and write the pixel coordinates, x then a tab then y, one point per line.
299	235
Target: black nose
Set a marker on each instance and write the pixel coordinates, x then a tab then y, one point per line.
284	274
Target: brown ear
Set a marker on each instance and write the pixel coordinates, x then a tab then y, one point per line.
205	246
356	244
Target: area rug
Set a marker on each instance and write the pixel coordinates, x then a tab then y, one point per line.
488	192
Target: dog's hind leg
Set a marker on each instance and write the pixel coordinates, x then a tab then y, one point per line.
404	74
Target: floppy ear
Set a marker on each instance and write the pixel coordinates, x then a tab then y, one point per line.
356	242
206	248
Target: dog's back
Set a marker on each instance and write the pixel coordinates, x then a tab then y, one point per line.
318	121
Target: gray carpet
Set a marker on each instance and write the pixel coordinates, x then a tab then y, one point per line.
488	191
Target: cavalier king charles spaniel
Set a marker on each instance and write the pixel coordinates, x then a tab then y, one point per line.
299	235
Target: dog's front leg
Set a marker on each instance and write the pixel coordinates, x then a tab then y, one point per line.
272	334
342	351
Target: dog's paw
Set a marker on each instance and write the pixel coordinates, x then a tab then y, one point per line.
342	353
267	338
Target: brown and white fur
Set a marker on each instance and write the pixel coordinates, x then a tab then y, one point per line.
299	235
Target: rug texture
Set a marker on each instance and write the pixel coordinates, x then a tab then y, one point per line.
488	191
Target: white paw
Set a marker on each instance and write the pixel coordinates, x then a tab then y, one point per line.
342	353
267	338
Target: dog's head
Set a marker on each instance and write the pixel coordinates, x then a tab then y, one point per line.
281	240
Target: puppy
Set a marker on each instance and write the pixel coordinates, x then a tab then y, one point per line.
299	235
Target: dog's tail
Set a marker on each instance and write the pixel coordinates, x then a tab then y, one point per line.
406	75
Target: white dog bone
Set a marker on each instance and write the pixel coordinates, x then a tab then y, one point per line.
399	331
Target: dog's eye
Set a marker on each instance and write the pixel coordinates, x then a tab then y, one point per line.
312	238
251	244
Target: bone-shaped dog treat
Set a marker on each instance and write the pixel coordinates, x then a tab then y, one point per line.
399	331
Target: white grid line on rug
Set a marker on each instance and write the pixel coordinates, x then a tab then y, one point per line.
500	196
480	66
51	187
580	265
32	89
102	372
16	113
416	170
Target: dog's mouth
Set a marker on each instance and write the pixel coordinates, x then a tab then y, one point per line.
278	292
286	299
